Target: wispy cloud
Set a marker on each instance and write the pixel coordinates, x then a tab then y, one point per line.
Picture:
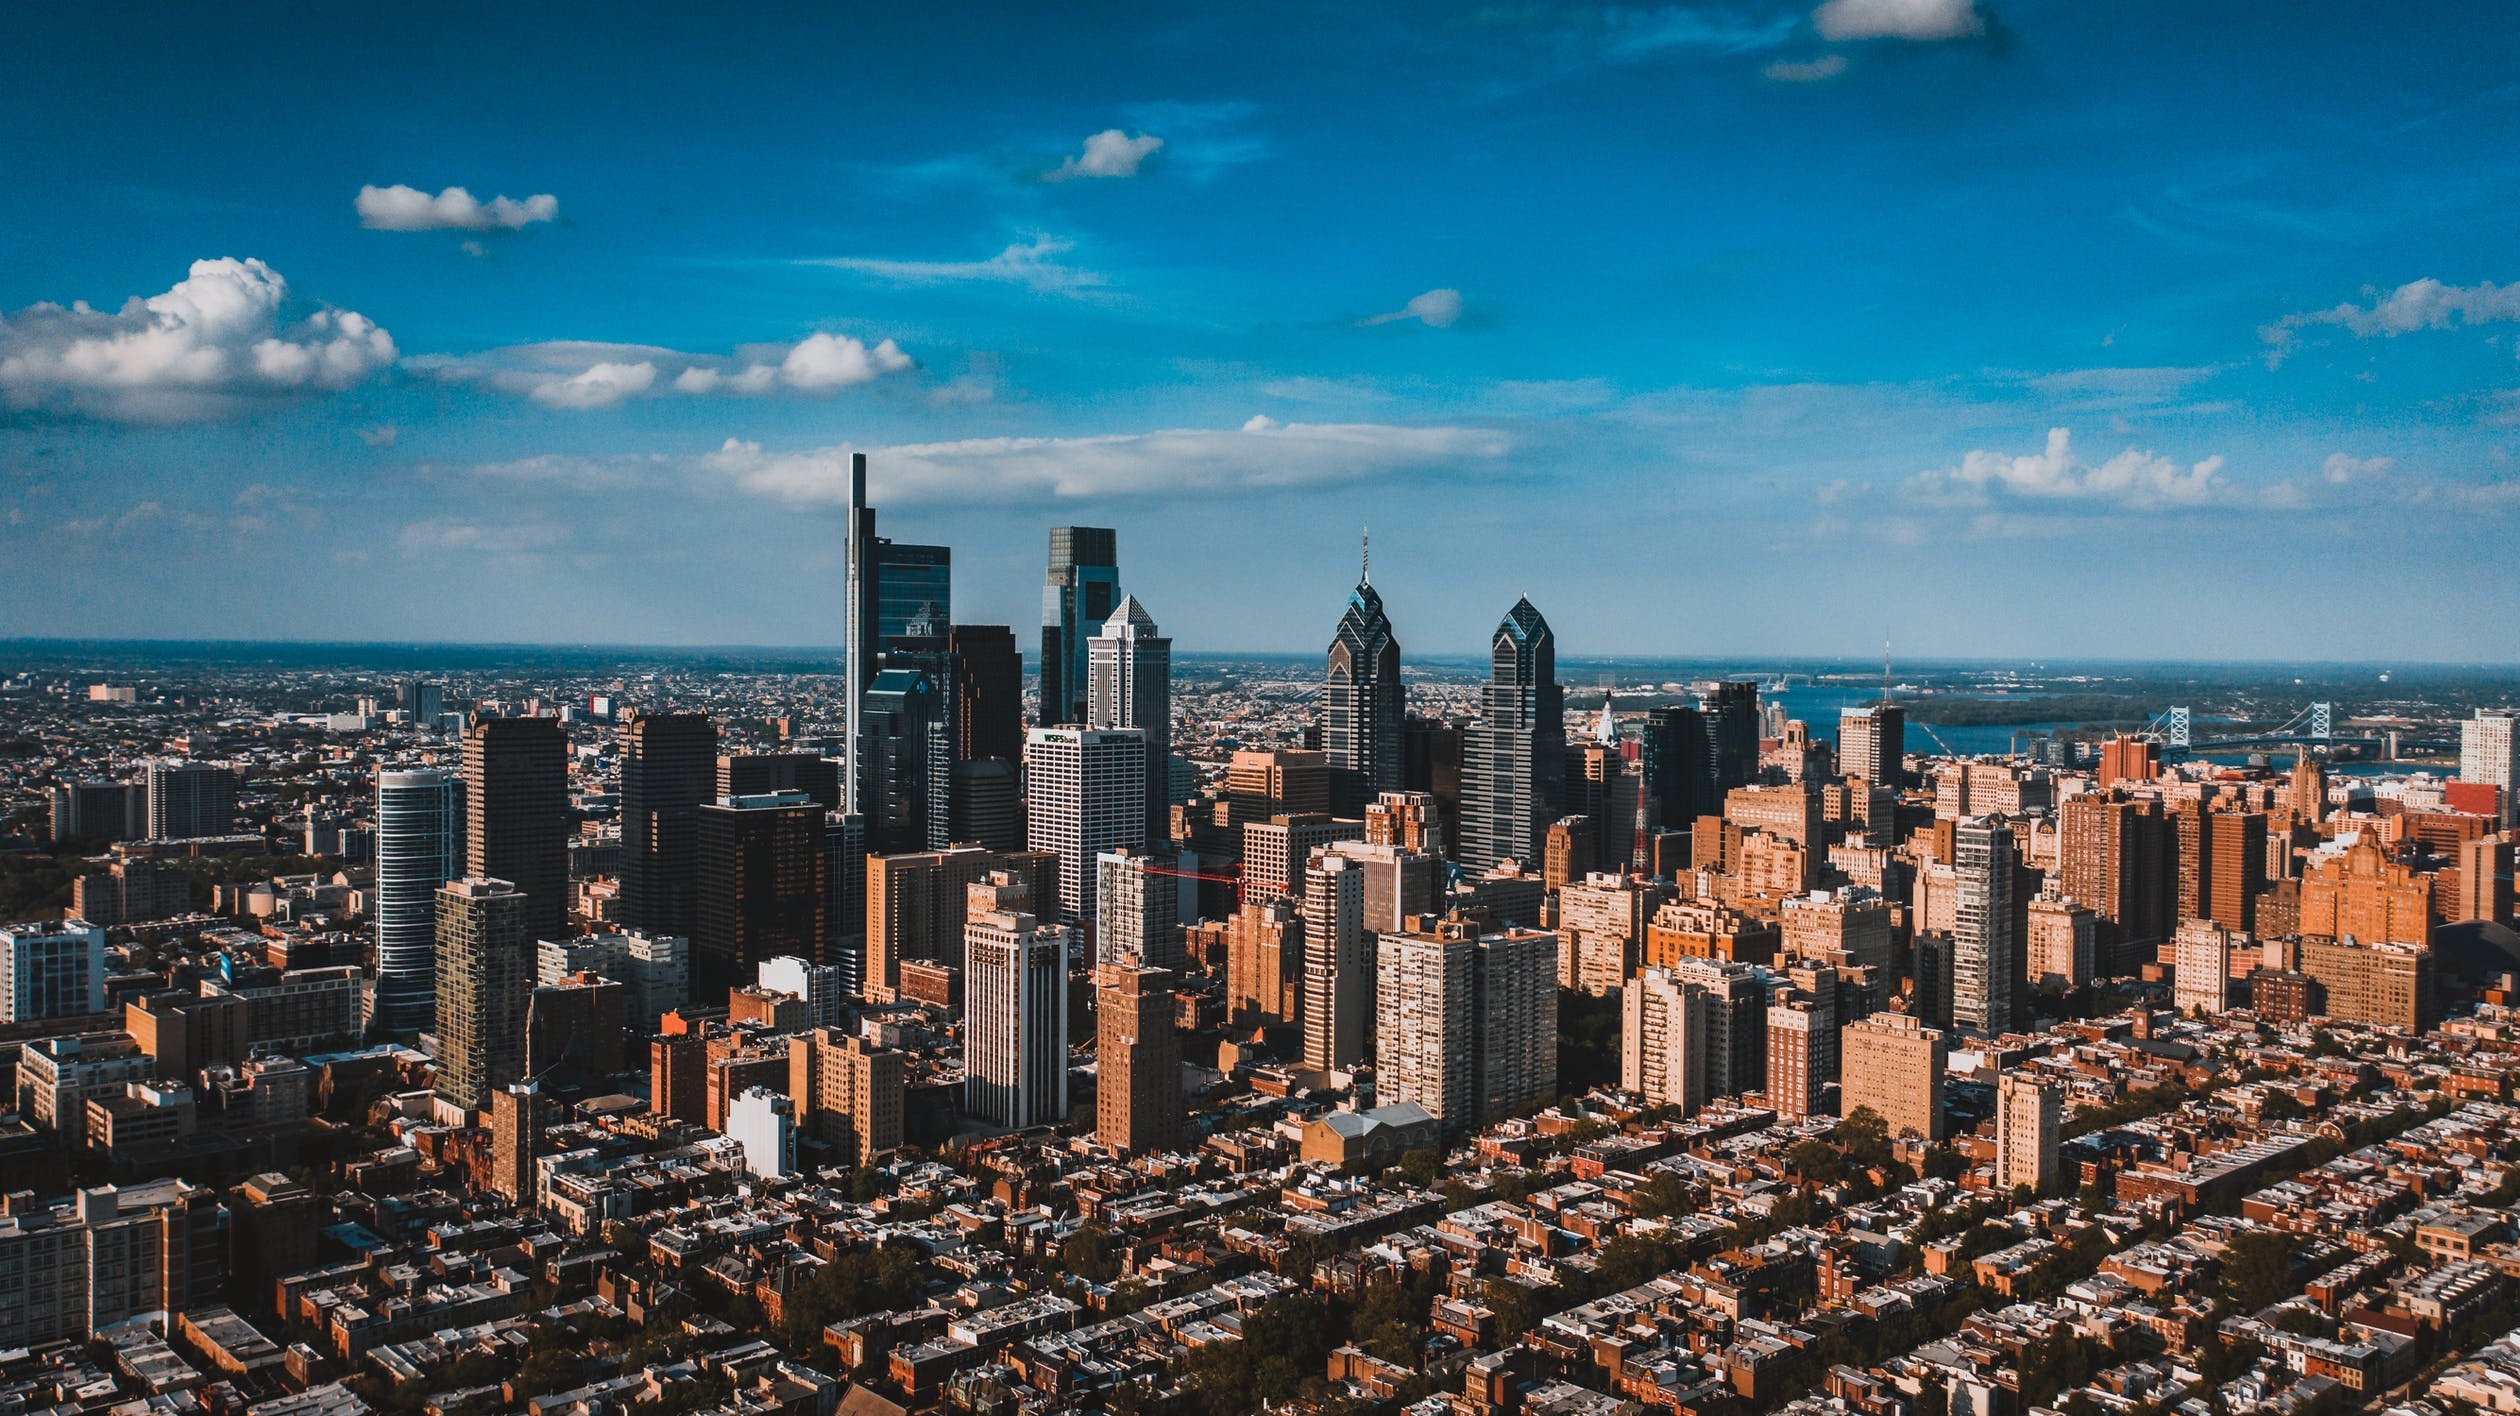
1033	263
1925	20
582	375
2417	305
1809	71
401	208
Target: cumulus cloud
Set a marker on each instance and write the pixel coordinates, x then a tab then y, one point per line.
1262	454
1436	309
2133	478
2416	305
1898	19
1035	263
1109	153
206	347
1810	71
401	208
2342	468
579	375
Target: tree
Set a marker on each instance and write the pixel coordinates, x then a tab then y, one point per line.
1090	1254
1632	1259
1290	1339
1422	1166
1865	1137
2257	1270
1664	1194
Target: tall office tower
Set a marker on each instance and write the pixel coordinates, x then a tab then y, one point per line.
1364	713
1666	1031
1412	821
1338	965
188	799
914	585
1985	952
760	773
517	1116
485	986
1137	1061
1514	759
1084	794
1275	852
1893	1064
1079	594
1675	756
1139	910
860	643
2307	787
1431	763
1798	1027
669	767
419	846
2058	944
848	1092
914	910
988	805
1264	962
51	970
1400	884
844	899
1286	781
2201	963
1015	1009
2237	846
1732	734
2029	1119
1466	1022
1736	1038
2121	859
1872	743
516	814
988	692
906	785
764	888
1129	685
423	699
2489	751
2485	881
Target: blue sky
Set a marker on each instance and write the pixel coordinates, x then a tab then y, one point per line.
1995	327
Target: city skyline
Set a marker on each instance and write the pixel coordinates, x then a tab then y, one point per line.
2025	311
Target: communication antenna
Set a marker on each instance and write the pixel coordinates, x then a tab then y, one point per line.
1885	670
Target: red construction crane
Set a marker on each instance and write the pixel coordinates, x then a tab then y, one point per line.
1233	880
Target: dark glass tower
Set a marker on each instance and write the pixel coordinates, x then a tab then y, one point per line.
1678	765
1513	770
668	772
1082	589
516	803
909	778
765	888
913	585
1363	712
988	693
1732	735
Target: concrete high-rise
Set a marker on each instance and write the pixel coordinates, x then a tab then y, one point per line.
1666	1031
1872	743
419	847
1084	794
189	799
915	907
2489	752
485	987
1893	1065
516	814
1129	685
517	1115
51	970
848	1092
1338	965
1078	595
764	888
2029	1119
2201	968
1514	761
1137	1097
1137	910
669	766
1465	1020
1985	953
1364	713
1015	1013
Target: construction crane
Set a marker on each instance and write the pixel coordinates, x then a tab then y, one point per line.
1233	880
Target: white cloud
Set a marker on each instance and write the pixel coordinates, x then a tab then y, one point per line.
382	435
1262	454
1034	263
2133	478
1812	71
1898	19
199	350
1436	309
2416	305
2342	468
1109	153
401	208
578	374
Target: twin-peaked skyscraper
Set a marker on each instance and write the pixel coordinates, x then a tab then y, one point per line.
1363	712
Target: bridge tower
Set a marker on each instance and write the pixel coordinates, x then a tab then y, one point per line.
2178	734
2320	721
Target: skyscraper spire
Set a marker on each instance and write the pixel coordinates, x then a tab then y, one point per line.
1365	559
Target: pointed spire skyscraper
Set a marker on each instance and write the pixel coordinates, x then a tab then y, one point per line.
1363	710
1513	768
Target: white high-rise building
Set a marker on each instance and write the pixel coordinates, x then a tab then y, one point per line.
819	985
1015	1009
1466	1022
1666	1034
764	1124
1984	986
2201	968
2029	1120
654	970
1128	684
1338	965
1137	910
51	970
419	846
1084	794
2489	751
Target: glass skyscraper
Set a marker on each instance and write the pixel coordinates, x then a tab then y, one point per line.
419	847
